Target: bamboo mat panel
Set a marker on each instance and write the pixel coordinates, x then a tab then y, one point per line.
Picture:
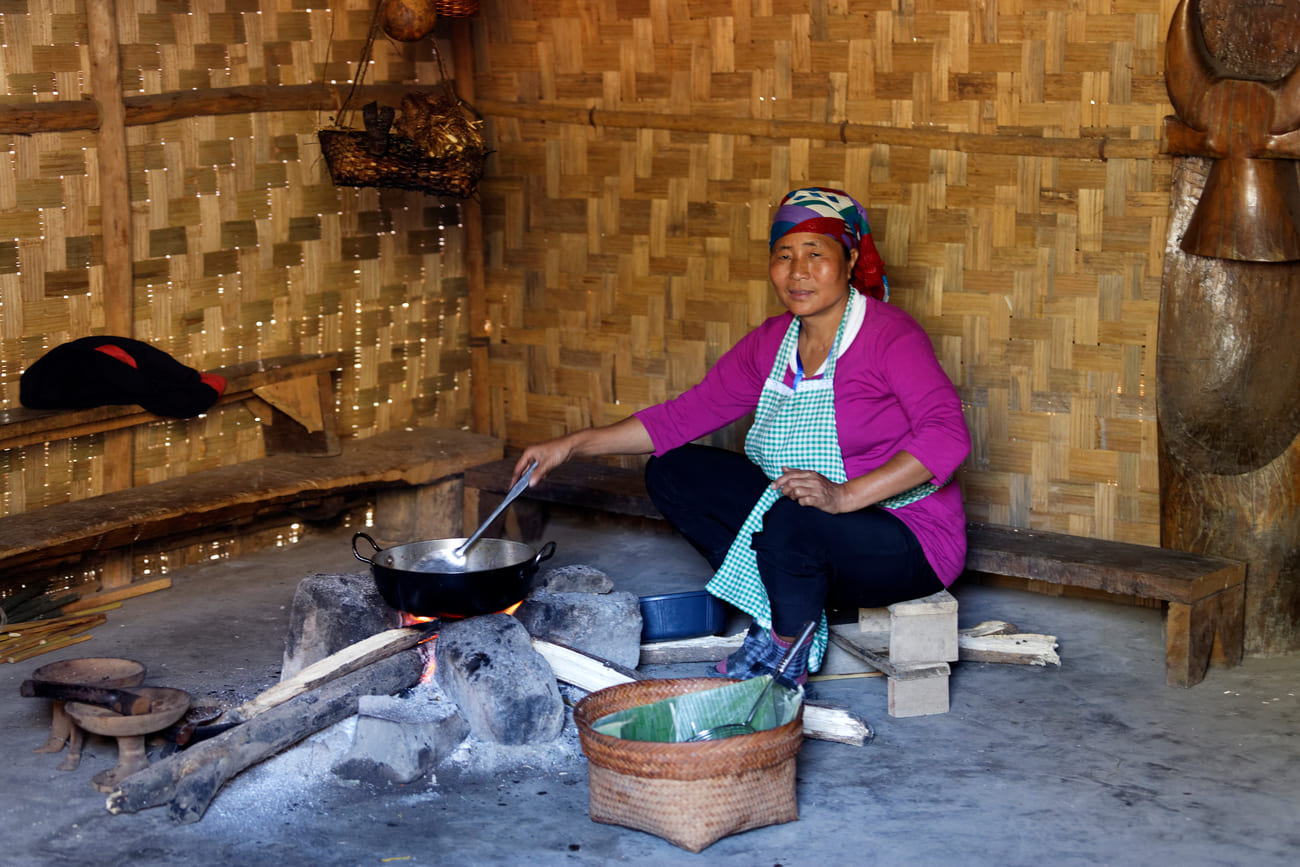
1008	155
243	247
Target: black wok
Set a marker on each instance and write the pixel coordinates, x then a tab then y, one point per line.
427	578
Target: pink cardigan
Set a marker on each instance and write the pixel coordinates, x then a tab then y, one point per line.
891	395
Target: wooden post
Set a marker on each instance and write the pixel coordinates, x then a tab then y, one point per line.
115	226
1228	378
472	214
114	193
1228	405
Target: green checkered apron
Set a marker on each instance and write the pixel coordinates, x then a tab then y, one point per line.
792	428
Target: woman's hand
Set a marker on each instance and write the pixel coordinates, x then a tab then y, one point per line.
548	455
808	488
626	437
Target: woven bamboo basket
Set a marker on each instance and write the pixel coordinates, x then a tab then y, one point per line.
690	794
456	8
405	165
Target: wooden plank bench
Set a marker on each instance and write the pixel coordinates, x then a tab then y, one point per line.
307	462
1204	595
403	465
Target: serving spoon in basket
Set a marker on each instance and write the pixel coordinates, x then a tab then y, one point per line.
728	730
515	491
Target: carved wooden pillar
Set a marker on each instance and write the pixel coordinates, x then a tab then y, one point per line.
1228	363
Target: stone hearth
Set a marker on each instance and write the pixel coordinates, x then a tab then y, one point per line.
487	689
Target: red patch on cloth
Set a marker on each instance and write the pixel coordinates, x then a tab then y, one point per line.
117	352
215	381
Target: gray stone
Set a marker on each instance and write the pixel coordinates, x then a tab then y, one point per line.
398	740
608	626
329	613
574	579
505	689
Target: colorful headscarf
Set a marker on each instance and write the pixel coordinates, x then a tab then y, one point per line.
824	211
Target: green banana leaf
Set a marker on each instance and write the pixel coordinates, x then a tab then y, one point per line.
677	719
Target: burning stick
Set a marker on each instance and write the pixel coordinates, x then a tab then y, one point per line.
345	661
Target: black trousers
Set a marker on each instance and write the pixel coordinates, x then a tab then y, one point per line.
808	559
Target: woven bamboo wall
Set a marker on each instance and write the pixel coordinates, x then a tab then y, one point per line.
1008	154
243	248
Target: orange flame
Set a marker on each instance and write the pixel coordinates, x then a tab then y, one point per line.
407	619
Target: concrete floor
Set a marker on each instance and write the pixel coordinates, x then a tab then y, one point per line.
1092	762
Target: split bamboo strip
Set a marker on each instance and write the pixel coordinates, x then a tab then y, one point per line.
15	631
1103	148
19	649
95	601
98	609
44	649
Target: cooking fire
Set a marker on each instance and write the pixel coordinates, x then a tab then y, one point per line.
414	686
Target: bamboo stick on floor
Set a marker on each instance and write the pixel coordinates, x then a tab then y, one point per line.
54	624
53	644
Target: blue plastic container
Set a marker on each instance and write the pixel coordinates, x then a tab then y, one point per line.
681	615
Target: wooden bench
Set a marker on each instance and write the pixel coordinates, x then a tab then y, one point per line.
1204	595
415	473
395	459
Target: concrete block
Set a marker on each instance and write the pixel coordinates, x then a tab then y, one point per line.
920	697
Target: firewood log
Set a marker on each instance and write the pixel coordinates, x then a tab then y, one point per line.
188	781
345	661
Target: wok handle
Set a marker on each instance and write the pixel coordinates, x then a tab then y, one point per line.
546	552
357	554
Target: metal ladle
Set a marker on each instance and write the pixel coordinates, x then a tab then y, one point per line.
515	491
727	730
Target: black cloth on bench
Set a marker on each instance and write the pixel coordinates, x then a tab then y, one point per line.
110	371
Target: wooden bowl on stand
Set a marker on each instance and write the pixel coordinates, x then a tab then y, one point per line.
166	706
106	672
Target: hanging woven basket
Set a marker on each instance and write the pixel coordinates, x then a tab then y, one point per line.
432	143
456	8
434	146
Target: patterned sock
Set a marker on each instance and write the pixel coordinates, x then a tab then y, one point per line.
796	673
757	646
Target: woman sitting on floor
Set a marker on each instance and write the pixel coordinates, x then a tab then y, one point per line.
842	498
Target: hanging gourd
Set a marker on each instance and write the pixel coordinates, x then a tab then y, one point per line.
407	20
